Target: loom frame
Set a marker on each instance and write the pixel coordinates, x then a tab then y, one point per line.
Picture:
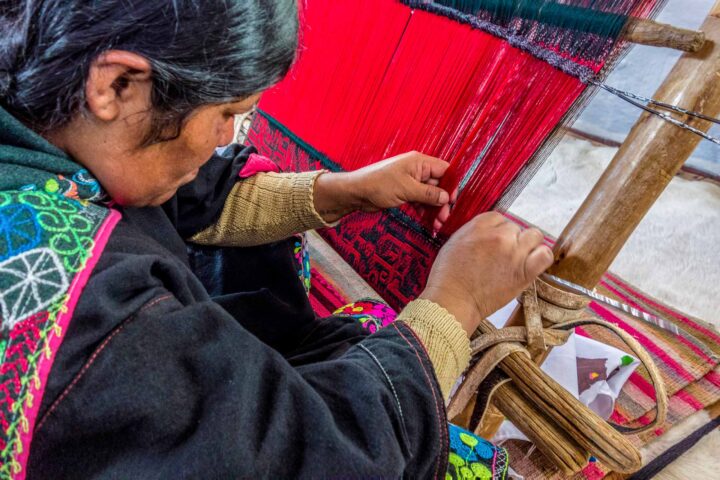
643	167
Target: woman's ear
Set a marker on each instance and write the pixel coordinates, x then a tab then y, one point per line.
118	83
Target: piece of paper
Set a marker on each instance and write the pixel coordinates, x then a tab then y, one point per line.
592	371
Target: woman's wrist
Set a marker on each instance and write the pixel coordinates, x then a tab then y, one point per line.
335	196
464	312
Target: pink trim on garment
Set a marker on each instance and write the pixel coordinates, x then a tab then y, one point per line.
257	164
55	340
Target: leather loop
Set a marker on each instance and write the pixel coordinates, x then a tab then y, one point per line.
563	311
477	373
551	338
559	297
661	397
533	322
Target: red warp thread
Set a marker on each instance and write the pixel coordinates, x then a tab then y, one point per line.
377	78
381	80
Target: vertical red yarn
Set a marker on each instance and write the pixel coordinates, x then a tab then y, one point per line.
379	80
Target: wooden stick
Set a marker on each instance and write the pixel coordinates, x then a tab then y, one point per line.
656	34
552	441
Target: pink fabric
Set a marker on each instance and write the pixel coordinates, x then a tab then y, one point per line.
593	472
681	339
668	311
257	164
713	378
690	400
56	339
644	341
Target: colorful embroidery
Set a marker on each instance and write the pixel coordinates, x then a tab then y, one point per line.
81	186
472	457
302	259
19	230
46	240
373	315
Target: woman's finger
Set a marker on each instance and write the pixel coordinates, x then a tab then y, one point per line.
539	260
444	213
437	167
511	228
530	239
430	167
427	194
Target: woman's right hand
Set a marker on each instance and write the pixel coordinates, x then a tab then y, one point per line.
483	266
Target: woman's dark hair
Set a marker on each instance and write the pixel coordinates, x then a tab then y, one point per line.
201	51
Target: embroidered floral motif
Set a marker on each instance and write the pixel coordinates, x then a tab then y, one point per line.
373	315
67	223
82	186
302	259
472	457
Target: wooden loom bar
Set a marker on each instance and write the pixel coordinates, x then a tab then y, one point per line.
656	34
647	161
645	164
635	30
651	155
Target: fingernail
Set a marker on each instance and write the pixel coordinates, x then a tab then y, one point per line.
444	197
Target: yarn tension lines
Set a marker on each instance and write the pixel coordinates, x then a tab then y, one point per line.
483	84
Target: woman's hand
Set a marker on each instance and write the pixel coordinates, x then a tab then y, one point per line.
483	266
410	177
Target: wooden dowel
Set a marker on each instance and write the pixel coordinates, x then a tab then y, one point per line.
656	34
590	431
552	441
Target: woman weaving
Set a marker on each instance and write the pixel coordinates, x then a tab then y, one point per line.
125	355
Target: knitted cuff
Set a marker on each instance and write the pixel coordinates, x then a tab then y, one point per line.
303	202
444	339
265	208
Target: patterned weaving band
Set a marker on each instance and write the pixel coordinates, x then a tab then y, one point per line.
484	84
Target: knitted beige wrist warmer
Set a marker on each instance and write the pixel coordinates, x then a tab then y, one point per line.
444	339
265	208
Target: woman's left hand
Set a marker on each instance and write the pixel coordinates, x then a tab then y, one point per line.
410	177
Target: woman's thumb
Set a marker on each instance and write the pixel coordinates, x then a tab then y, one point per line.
428	194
